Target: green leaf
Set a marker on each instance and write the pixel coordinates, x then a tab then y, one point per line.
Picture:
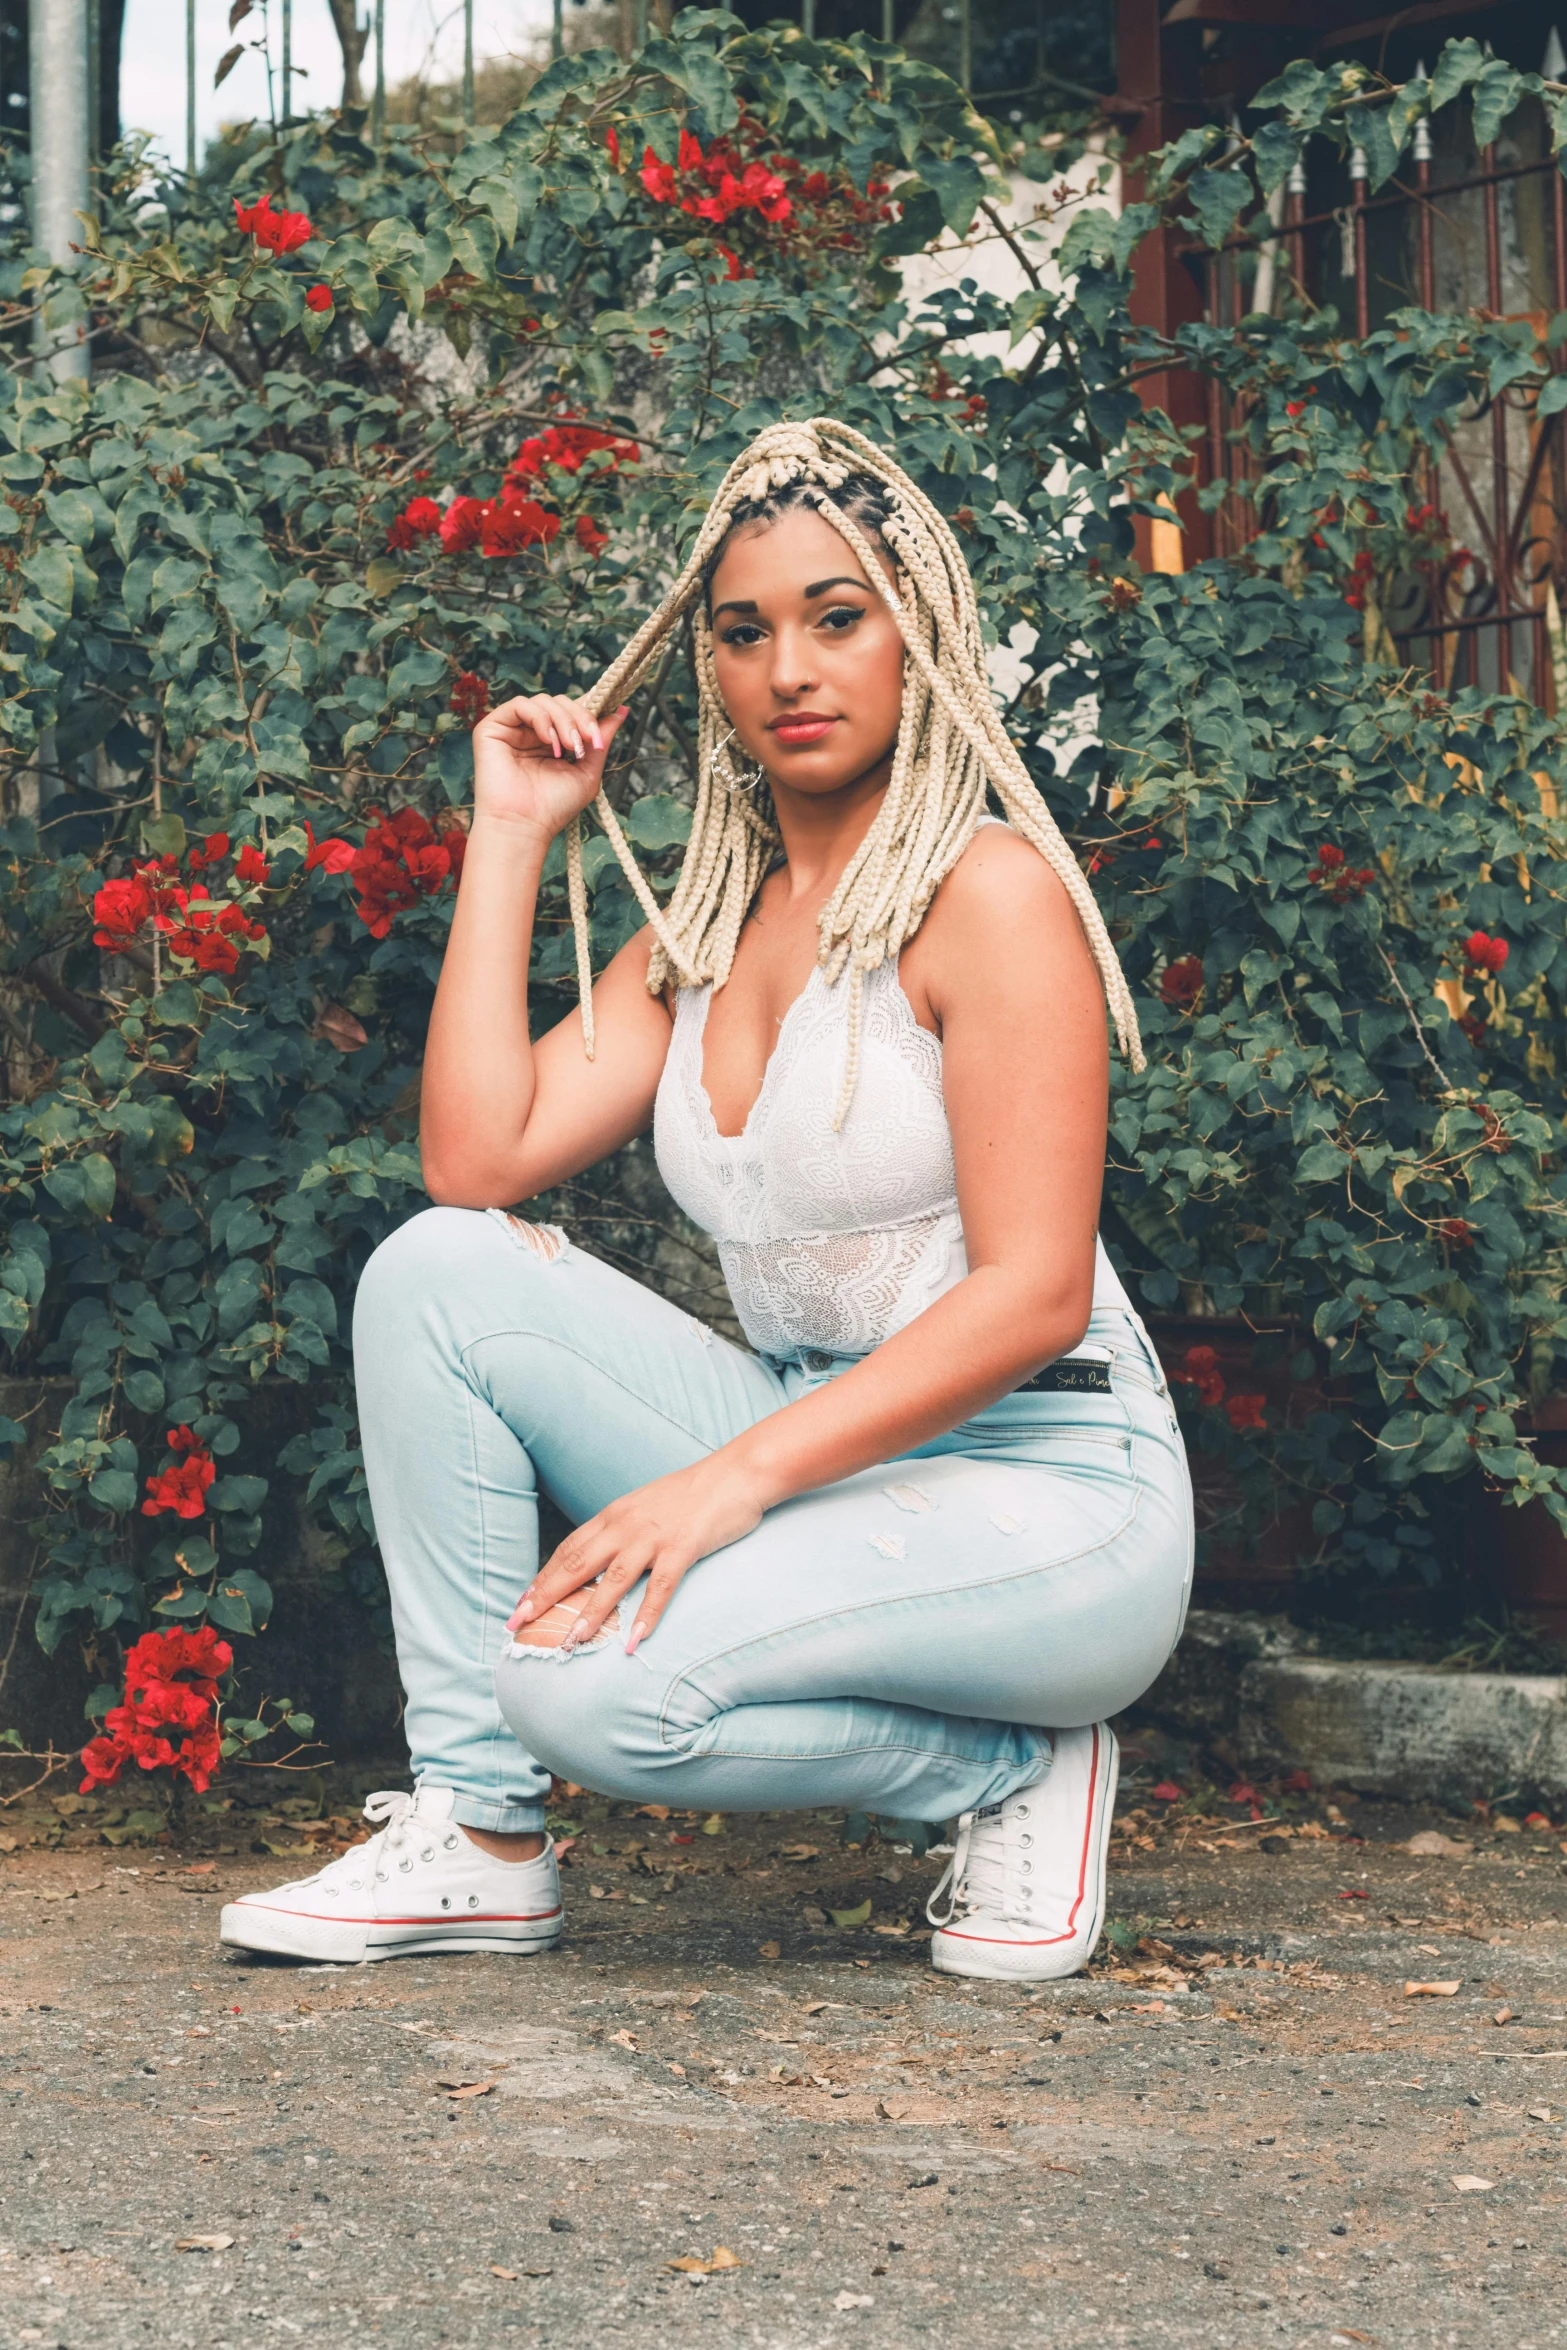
849	1918
237	1493
657	822
144	1391
114	1489
958	187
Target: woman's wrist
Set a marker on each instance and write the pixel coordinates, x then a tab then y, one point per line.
522	840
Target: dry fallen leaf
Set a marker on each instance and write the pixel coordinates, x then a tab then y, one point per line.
1432	1844
1431	1990
467	2088
1504	2015
339	1027
510	2274
203	2243
624	2039
802	1852
846	1918
1539	2113
724	2258
767	1950
847	2300
1468	2184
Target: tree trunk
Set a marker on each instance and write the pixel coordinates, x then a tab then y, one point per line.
352	38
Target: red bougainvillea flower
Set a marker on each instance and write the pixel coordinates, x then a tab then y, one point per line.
1336	877
1455	1232
1180	984
470	697
1245	1411
335	855
121	910
612	142
182	1488
420	519
277	232
319	299
251	869
511	525
212	851
733	267
1359	587
1201	1370
658	178
462	525
588	535
169	1716
1167	1792
569	446
210	935
402	860
1485	956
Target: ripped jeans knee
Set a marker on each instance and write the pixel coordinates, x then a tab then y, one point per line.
545	1241
551	1638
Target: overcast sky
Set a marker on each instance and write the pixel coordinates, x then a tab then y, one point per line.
152	81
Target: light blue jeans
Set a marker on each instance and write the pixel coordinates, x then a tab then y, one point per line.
898	1641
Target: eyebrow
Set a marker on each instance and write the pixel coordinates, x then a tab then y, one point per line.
817	587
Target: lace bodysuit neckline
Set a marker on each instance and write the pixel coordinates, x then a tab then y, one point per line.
830	1242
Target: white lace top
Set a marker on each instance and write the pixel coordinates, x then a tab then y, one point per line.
829	1242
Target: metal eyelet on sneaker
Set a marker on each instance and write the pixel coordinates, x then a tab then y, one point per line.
1021	1813
1025	1838
405	1866
446	1901
449	1843
473	1901
428	1852
1026	1868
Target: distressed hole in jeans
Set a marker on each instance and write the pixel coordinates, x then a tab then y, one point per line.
549	1640
544	1241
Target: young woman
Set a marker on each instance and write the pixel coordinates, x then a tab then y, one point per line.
907	1550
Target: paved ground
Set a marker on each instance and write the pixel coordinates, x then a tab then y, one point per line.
1238	2132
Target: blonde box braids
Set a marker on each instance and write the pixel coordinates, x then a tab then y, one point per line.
951	744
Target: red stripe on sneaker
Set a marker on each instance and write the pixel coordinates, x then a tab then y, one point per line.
468	1917
1045	1941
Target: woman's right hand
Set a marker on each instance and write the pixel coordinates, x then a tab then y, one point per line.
538	761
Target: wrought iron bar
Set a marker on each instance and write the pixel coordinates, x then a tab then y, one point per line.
1402	195
378	102
288	59
190	89
557	32
467	63
1493	289
1357	197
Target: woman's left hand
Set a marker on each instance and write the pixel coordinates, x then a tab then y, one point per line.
660	1531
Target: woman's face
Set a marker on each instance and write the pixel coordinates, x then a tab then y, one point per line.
808	658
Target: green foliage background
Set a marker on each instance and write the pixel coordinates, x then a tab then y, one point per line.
202	628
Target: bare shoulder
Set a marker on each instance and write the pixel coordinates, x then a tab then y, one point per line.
1001	917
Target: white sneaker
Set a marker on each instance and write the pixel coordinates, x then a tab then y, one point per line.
419	1885
1026	1881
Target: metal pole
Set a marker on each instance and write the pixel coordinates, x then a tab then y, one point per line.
190	89
378	105
808	19
638	25
966	43
557	32
889	20
467	62
94	81
288	60
59	106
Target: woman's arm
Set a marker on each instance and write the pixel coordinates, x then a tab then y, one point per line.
500	1116
1007	971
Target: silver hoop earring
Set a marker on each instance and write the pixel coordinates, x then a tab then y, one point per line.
745	783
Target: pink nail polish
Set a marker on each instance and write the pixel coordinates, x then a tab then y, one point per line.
634	1643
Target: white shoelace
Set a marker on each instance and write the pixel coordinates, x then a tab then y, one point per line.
389	1805
973	1877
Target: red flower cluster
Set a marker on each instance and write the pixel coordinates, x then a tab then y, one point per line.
181	1488
170	1712
1202	1372
470	697
1337	878
1245	1411
402	860
569	446
277	232
1484	956
716	184
1359	587
419	519
319	299
588	535
1180	984
1455	1232
198	929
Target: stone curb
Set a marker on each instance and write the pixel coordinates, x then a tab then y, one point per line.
1415	1733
